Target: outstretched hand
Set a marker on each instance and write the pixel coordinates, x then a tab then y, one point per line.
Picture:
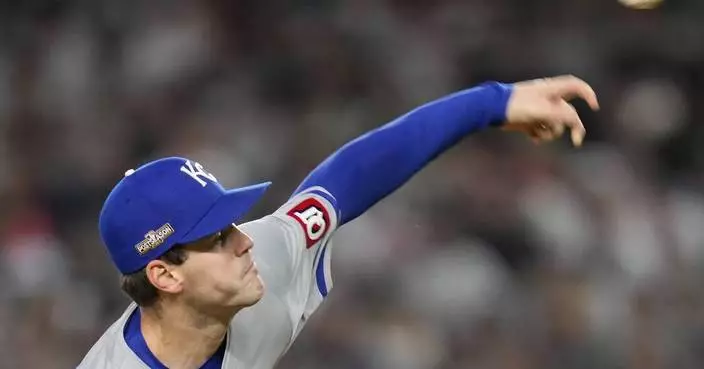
540	108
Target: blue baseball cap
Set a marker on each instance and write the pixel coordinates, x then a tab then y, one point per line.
167	202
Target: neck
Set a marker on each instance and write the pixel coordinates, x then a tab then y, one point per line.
181	337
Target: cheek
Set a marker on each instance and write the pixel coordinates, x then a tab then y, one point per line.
219	275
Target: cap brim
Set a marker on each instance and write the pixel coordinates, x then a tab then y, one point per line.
228	209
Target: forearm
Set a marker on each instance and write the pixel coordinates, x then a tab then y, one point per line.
375	164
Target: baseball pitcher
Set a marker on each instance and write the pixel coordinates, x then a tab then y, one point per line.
211	293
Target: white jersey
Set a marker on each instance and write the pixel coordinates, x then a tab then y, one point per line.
292	252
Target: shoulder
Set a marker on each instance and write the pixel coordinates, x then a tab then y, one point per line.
111	351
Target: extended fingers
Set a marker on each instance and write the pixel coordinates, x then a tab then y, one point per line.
568	117
577	129
569	87
563	115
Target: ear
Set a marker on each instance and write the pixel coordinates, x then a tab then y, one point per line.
164	277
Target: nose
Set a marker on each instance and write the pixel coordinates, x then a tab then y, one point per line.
244	244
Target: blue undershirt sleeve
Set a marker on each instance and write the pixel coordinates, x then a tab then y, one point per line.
368	168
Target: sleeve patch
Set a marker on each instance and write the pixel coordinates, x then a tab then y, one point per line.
313	218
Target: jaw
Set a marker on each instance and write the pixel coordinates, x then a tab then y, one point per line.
250	294
254	291
226	300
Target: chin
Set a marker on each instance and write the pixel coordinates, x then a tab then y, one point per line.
258	289
254	293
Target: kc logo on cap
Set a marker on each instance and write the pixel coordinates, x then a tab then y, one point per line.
196	171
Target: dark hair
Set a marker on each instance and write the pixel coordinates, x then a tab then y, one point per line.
138	287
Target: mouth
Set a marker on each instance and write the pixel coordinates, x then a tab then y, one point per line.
252	267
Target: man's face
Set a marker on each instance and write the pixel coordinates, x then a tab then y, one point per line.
219	272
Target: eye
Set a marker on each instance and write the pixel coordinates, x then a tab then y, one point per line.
220	239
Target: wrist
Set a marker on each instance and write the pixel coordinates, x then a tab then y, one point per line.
496	102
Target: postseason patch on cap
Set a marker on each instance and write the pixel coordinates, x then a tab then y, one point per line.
154	238
313	218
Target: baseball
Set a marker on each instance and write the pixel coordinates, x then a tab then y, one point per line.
641	4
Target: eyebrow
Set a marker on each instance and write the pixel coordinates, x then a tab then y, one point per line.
207	240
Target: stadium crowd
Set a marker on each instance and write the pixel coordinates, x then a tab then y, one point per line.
500	254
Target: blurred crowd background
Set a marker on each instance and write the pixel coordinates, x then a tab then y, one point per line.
500	255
